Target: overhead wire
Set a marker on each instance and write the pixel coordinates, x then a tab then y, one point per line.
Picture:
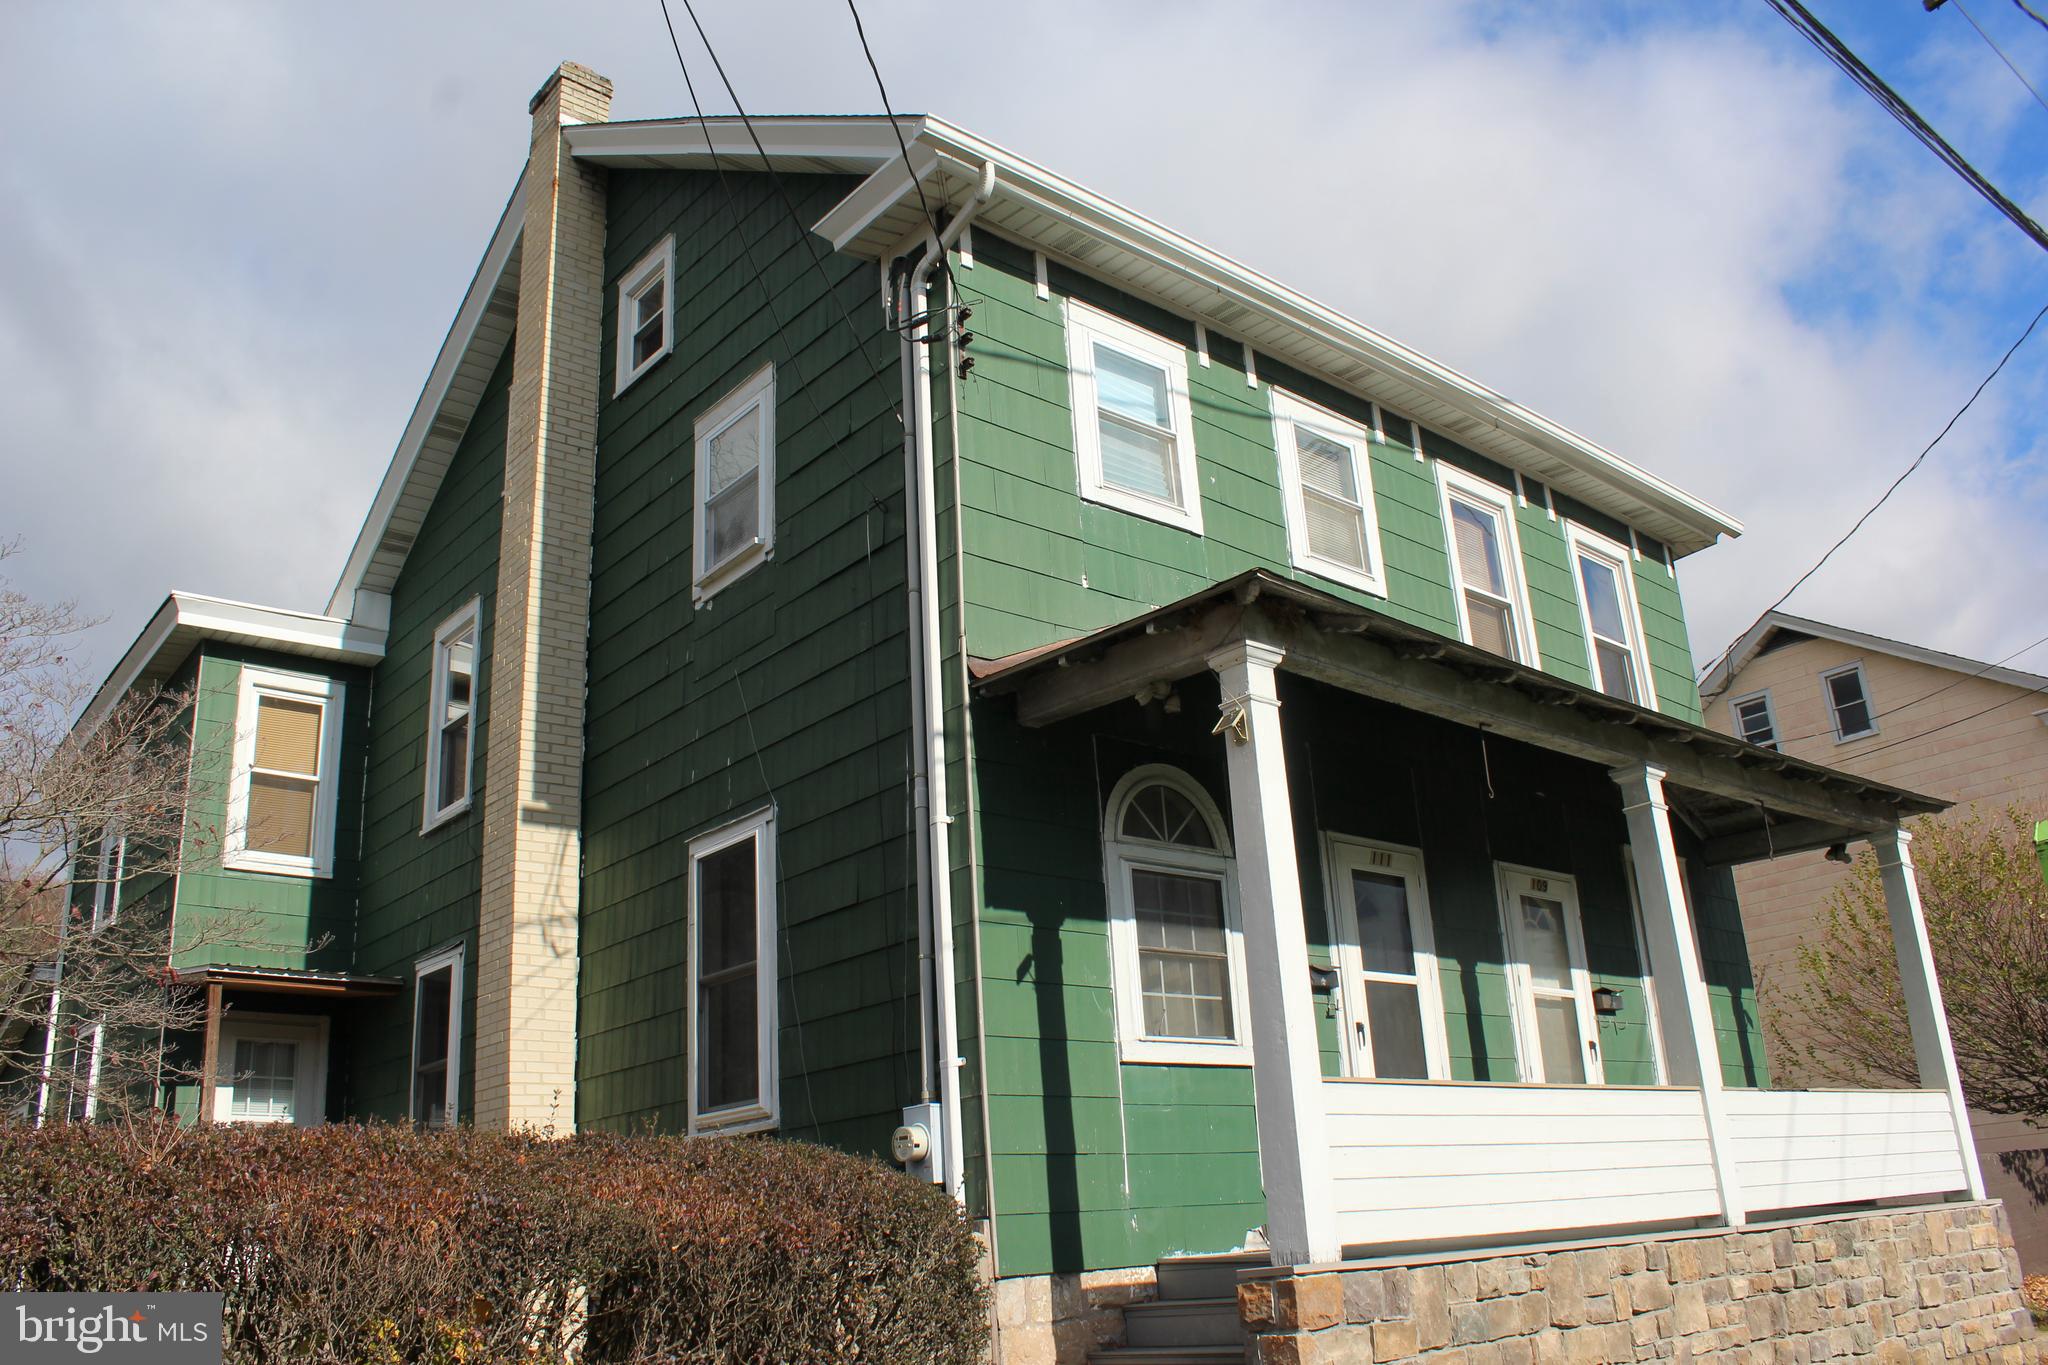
889	112
1893	487
1891	712
1992	43
1838	52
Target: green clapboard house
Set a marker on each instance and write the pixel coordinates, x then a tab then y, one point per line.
877	643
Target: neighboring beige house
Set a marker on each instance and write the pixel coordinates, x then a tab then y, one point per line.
1915	718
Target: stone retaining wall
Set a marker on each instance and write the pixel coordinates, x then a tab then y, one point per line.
1915	1286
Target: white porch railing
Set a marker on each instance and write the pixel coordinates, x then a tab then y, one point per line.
1431	1161
1795	1148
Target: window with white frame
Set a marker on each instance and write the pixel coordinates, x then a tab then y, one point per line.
451	731
646	310
1849	702
1608	610
1754	719
1386	960
1326	473
1548	984
272	1069
732	1013
1134	427
1175	944
109	870
735	499
281	797
437	1038
1486	565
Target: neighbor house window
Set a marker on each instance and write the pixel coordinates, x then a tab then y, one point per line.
646	313
1174	938
272	1069
281	797
1607	609
437	1038
1386	962
735	516
731	1028
1754	719
1549	986
1849	702
1492	605
1326	473
1134	427
451	732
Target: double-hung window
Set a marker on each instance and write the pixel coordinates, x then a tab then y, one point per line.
451	732
732	1017
1386	961
735	482
1550	988
437	1038
106	888
1609	613
1175	943
1134	426
1849	703
646	310
1754	719
1492	603
1326	473
282	793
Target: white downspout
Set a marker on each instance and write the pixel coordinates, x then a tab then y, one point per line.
928	755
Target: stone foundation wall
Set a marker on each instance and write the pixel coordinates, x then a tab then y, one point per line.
1909	1286
1059	1319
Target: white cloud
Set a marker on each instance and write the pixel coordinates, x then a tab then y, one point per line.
247	233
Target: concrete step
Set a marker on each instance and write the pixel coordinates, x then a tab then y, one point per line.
1184	1322
1204	1277
1168	1355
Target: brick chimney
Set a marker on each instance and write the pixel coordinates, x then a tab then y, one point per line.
526	961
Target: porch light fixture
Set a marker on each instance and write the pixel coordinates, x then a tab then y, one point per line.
1322	980
1606	1001
1838	853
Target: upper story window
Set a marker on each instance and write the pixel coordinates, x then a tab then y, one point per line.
1134	428
1492	601
1849	702
732	1010
1175	943
437	1038
1615	648
451	736
281	797
735	510
1326	477
106	889
646	313
1754	719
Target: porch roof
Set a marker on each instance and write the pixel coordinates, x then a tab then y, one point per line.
1744	801
288	981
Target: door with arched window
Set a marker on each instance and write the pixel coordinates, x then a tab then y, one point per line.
1176	948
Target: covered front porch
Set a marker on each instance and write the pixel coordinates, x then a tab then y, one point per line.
1582	1060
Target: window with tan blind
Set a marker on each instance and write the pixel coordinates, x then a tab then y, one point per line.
1326	476
281	816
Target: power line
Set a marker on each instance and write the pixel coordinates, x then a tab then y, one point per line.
860	30
2031	12
1783	740
1918	460
1959	720
2010	65
1836	51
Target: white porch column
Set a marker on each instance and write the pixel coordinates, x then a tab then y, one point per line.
1925	1013
1287	1072
1691	1051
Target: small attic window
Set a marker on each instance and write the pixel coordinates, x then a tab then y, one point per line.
646	313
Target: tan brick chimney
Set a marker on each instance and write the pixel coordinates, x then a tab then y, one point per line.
526	960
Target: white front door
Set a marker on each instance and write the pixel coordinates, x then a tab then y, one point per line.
1393	1015
1552	992
271	1068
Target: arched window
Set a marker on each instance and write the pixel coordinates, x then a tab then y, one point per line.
1174	937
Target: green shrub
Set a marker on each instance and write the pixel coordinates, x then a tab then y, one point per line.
363	1244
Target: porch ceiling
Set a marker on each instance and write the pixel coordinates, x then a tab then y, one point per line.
1746	802
284	981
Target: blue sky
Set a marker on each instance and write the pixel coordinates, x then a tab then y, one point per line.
232	236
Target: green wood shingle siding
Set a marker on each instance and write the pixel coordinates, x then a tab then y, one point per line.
789	688
420	891
258	919
1098	1163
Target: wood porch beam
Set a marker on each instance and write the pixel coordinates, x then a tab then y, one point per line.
1793	836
